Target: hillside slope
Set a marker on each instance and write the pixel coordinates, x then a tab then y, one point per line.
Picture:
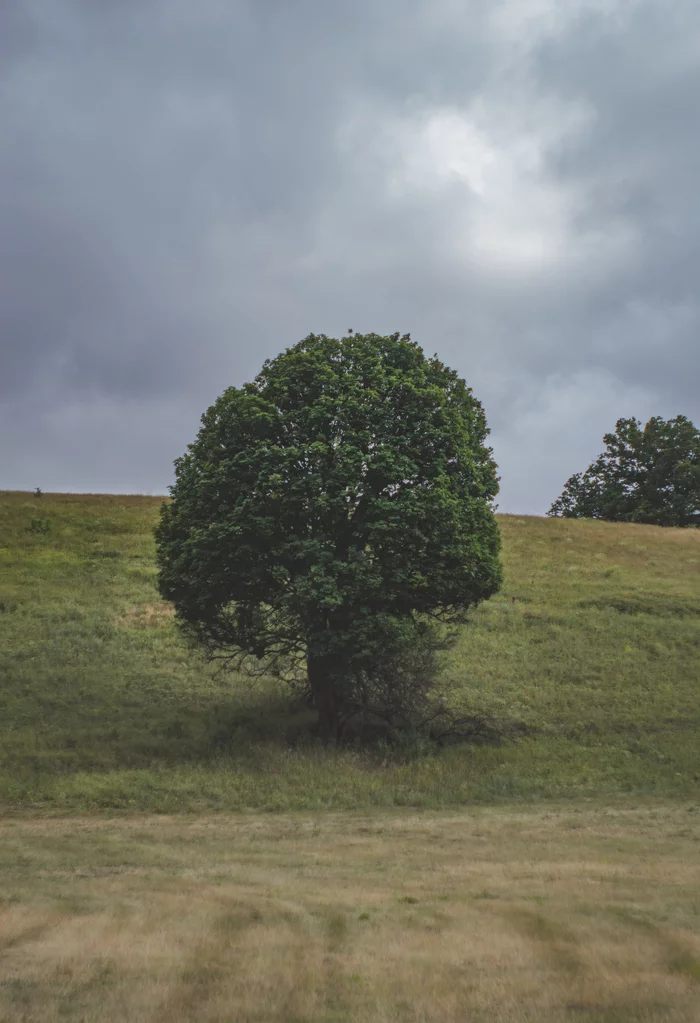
592	648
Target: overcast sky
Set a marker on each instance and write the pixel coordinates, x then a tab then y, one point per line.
188	188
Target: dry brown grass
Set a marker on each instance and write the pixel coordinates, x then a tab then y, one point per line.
146	615
498	915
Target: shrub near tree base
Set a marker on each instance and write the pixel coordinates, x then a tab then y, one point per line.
649	474
331	517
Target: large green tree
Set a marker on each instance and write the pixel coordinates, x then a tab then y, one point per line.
329	511
646	474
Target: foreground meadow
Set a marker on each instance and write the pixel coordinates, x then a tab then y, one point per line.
583	670
552	874
528	916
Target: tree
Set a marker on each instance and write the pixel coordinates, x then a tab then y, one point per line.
649	474
329	514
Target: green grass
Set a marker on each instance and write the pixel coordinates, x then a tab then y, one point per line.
593	647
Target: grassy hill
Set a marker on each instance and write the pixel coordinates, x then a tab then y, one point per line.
592	649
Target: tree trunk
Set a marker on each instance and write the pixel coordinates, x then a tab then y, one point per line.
323	692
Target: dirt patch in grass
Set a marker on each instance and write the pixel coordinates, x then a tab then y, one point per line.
147	615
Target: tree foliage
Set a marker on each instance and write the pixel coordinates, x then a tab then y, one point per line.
331	512
646	474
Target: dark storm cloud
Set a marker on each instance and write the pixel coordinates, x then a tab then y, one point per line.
185	189
638	165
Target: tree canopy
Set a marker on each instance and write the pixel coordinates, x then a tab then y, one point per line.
646	474
331	510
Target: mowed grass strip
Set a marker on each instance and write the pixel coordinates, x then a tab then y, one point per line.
588	660
495	915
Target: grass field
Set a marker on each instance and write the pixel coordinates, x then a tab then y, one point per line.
583	915
592	649
551	877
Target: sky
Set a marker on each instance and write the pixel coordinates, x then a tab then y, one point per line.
187	189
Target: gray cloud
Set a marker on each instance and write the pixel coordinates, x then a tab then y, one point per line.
186	189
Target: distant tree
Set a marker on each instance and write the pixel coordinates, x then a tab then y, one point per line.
328	515
646	474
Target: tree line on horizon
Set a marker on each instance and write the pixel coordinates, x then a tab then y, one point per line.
645	474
